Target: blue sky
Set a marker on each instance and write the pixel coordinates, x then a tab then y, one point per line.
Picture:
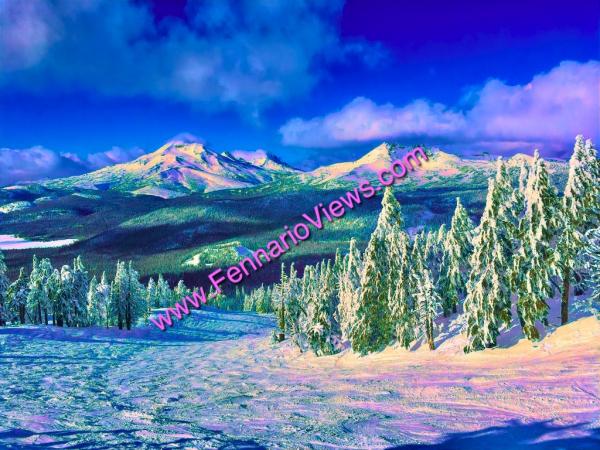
83	84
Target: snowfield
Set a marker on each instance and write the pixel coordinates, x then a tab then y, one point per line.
215	380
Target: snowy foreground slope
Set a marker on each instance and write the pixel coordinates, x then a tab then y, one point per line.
216	381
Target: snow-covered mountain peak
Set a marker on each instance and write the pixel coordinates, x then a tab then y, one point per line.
262	158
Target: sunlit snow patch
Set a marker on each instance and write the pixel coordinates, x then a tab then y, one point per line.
11	242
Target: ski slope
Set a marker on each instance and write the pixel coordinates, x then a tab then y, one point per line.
216	381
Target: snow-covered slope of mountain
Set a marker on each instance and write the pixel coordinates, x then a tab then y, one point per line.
261	158
439	164
180	167
378	158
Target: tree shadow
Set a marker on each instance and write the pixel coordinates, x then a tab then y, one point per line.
516	435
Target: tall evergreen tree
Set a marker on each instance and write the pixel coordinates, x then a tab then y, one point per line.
295	305
349	290
118	291
103	301
580	209
151	294
371	328
390	217
37	300
180	291
17	295
4	285
533	264
428	303
79	294
66	295
56	298
458	246
92	303
400	296
487	304
321	329
591	257
134	301
163	293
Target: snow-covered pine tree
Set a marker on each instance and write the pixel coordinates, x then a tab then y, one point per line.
151	294
308	287
65	295
591	258
4	284
17	295
487	304
295	306
263	300
579	211
249	304
103	301
181	290
321	331
92	303
55	297
281	296
400	296
534	262
390	218
37	300
458	246
163	293
118	290
592	193
349	290
371	330
134	301
428	305
80	292
417	252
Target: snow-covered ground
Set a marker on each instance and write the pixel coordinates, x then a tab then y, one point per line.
216	381
11	242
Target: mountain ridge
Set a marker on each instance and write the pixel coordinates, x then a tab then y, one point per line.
182	167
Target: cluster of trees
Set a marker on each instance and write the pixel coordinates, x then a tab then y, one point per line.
529	243
68	297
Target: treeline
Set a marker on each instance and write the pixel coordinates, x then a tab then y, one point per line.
529	244
68	297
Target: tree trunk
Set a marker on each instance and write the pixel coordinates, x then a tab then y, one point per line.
46	316
128	311
22	314
564	304
521	321
430	340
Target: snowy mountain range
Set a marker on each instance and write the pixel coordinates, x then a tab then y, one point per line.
180	167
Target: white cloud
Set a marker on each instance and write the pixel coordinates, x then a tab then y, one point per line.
247	57
39	163
547	112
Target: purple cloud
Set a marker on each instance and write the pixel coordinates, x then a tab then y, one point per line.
547	112
39	163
